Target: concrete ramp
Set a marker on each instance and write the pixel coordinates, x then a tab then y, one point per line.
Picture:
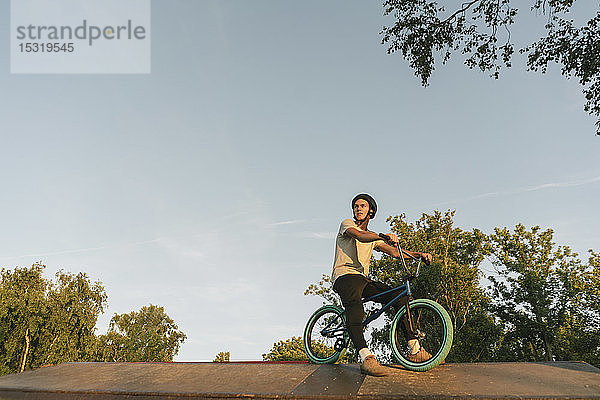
140	381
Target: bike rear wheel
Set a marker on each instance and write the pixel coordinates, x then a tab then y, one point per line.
434	327
325	336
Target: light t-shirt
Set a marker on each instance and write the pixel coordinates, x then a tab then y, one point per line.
351	255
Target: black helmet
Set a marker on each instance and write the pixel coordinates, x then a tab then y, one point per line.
368	199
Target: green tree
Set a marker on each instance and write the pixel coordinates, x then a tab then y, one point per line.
75	305
323	289
44	322
222	357
452	280
578	337
146	335
586	332
286	350
23	309
293	350
480	30
536	296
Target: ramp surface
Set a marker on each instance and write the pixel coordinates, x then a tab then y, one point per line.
139	381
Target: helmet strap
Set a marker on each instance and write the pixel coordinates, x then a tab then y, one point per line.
364	221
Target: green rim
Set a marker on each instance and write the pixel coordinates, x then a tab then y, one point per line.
308	337
447	336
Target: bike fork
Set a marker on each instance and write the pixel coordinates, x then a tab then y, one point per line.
407	320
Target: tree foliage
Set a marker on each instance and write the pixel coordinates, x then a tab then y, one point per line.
146	335
222	357
286	350
481	31
542	298
323	289
293	350
45	321
585	331
452	280
77	303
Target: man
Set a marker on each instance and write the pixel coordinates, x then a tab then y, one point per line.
354	247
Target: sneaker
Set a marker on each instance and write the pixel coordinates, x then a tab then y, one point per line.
371	367
420	356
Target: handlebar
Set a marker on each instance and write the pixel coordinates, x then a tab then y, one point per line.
387	238
402	251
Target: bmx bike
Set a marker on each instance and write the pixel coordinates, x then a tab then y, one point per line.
326	336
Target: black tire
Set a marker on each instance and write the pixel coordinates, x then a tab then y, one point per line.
325	336
433	322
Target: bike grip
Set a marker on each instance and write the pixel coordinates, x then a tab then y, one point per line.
384	236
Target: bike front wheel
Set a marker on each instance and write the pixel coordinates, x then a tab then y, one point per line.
325	336
433	328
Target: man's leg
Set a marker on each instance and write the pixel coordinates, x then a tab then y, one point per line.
373	288
350	288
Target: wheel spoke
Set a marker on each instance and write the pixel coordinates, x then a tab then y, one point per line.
325	336
432	329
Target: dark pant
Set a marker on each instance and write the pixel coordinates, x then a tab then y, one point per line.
352	288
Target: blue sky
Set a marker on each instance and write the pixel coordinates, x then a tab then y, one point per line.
214	185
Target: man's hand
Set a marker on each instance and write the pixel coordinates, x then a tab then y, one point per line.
428	258
393	239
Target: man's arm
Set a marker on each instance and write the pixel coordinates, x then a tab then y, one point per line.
388	247
394	252
365	236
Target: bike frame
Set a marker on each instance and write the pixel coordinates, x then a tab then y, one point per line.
405	294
